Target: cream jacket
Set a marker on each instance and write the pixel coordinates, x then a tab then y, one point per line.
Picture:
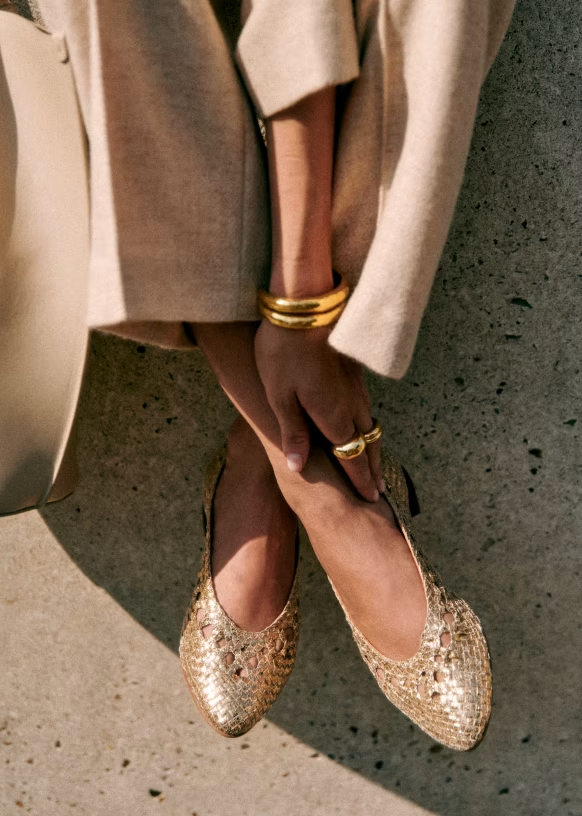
180	216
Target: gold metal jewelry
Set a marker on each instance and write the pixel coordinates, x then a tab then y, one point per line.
375	434
301	321
350	449
311	305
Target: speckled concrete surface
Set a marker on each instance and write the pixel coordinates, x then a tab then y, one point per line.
94	716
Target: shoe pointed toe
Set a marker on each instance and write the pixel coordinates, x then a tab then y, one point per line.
234	676
445	688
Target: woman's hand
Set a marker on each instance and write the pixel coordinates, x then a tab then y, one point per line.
305	378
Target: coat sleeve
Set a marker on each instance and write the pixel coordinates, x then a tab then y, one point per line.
440	55
289	49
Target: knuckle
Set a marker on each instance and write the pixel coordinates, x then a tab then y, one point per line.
313	397
281	404
292	429
362	408
341	421
296	439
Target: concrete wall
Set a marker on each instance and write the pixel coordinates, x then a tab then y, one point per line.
95	718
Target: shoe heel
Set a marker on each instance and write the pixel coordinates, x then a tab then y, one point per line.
413	502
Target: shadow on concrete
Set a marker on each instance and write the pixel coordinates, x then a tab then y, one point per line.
487	421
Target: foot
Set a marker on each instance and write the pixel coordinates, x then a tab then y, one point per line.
253	548
364	553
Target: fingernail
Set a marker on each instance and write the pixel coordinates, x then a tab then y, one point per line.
376	495
294	462
382	486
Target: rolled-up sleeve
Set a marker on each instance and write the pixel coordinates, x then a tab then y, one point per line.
289	49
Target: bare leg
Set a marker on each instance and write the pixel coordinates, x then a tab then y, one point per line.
253	552
358	543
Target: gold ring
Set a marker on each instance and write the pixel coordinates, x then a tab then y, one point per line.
350	449
375	434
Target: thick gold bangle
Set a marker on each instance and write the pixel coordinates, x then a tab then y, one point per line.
312	305
301	321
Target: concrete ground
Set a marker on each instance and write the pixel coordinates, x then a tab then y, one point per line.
95	718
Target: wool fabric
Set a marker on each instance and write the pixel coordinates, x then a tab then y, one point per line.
169	93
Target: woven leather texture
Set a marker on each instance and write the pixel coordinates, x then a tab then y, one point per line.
445	688
234	676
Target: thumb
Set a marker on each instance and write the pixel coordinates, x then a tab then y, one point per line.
295	436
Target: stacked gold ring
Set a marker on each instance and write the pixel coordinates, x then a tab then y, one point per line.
375	434
357	444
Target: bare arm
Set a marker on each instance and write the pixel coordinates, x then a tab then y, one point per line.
302	375
300	171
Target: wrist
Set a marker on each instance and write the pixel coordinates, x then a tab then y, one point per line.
303	278
313	311
280	336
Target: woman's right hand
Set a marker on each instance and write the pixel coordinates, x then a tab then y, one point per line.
305	378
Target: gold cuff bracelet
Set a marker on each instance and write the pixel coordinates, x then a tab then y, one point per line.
301	321
312	305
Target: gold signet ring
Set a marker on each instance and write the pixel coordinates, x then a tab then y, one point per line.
350	449
375	434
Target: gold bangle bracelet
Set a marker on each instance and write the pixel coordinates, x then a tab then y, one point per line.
301	321
313	305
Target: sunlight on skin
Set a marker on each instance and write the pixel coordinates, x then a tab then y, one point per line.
373	570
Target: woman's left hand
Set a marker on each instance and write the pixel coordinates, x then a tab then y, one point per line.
305	377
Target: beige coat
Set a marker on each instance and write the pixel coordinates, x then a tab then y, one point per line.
180	221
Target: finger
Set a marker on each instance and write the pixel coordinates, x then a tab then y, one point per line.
374	460
338	427
363	418
295	437
359	474
364	423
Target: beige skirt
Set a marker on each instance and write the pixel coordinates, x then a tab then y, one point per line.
179	193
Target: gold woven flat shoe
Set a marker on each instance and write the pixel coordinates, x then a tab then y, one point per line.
445	688
234	676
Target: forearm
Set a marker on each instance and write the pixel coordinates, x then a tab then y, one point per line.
300	150
302	376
